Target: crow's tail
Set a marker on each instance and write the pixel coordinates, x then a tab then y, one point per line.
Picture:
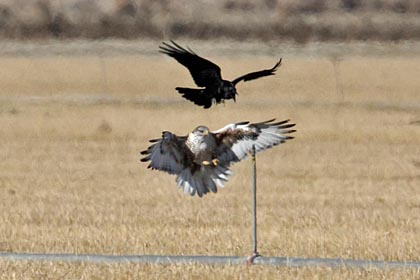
197	96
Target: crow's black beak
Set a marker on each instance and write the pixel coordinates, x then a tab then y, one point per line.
234	97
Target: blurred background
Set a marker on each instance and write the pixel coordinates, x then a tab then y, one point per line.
83	88
295	20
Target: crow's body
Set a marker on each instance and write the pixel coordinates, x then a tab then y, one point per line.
207	75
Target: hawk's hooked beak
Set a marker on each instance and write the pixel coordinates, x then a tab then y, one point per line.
206	132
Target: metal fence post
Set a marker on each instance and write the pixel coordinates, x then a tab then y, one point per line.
255	253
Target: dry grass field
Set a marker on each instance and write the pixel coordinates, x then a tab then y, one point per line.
71	181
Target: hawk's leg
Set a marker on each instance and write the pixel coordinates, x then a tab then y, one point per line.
213	162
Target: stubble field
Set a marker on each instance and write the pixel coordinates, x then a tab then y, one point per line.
71	182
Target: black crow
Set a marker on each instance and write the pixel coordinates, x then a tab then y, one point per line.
208	75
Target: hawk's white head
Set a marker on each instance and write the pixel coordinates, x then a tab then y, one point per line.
199	140
201	131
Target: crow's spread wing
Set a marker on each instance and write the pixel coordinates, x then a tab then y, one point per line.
258	74
204	72
236	140
168	154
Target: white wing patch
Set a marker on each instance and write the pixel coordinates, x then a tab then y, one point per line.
244	135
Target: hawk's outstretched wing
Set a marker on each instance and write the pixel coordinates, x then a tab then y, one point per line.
168	154
204	72
236	140
257	74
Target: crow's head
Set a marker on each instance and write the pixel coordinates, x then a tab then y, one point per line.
228	90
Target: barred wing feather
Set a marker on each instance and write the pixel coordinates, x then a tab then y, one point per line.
167	154
236	140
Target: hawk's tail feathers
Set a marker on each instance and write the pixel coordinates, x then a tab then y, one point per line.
204	180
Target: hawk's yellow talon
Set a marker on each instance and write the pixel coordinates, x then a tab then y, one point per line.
213	162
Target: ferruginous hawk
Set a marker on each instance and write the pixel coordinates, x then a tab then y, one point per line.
201	159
